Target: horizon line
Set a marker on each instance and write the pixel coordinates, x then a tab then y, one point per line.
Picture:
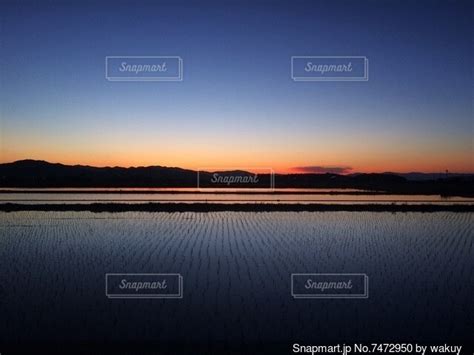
245	169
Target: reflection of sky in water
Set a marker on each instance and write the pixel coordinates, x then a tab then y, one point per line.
224	198
236	275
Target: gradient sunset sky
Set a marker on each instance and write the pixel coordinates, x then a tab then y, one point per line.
237	105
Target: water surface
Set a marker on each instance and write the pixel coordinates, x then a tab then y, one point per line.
236	269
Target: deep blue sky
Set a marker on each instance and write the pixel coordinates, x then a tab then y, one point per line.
237	103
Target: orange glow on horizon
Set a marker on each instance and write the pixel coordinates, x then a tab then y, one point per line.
218	162
280	151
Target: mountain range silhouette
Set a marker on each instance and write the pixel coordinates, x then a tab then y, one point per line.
42	174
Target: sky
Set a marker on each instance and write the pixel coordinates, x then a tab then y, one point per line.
237	106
